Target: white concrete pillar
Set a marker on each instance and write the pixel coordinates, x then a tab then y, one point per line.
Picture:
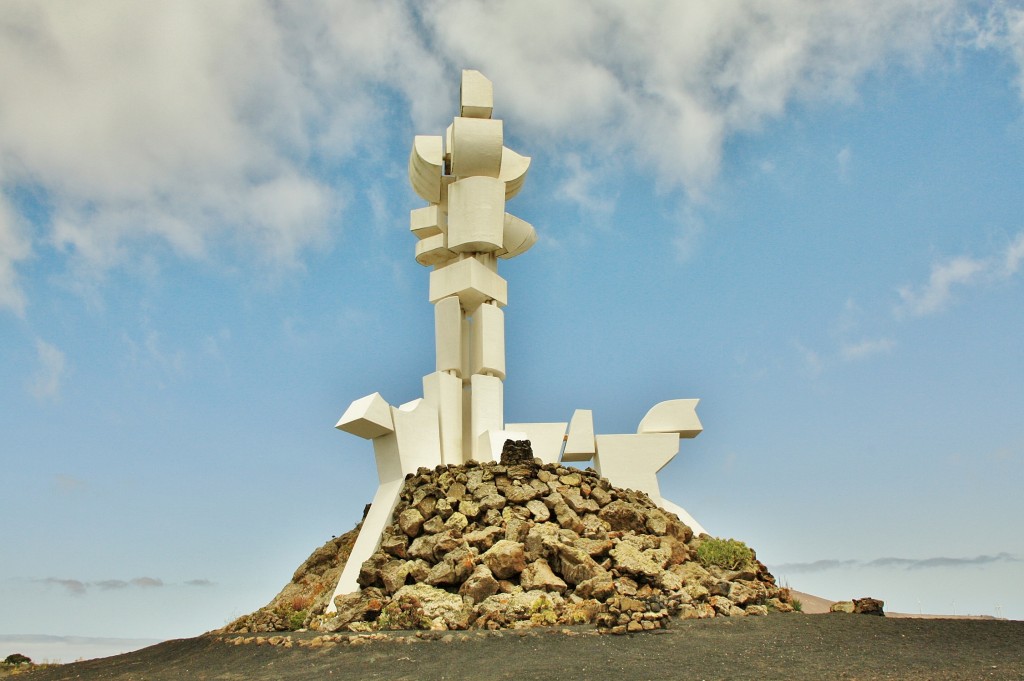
487	394
489	340
448	335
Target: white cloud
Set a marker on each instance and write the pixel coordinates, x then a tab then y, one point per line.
667	83
959	272
688	236
843	159
192	126
45	384
1014	256
14	247
1001	29
582	186
866	348
813	362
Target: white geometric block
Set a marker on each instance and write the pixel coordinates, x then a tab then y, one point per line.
470	280
411	405
518	237
431	251
448	149
476	97
426	221
476	214
513	171
385	454
426	164
466	330
417	437
633	461
476	147
673	416
489	341
546	439
487	411
379	515
368	417
580	444
448	334
443	391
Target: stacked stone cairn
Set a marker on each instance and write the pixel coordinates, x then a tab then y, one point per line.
519	543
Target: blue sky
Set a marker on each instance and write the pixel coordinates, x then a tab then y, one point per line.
809	215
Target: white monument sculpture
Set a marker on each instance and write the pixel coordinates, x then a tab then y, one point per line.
465	178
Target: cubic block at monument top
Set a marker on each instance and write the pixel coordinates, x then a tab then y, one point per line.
476	96
472	281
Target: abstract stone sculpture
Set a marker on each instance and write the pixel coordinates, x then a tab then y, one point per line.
466	177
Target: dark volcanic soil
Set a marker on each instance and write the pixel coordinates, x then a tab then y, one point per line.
775	647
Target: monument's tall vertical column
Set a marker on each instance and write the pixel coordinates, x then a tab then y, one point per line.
462	233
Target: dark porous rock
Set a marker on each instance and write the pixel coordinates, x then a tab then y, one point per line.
516	452
868	606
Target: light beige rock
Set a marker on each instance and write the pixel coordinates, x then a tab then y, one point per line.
538	575
438	605
631	560
505	559
480	584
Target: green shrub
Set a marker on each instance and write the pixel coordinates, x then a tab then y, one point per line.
542	612
730	554
297	619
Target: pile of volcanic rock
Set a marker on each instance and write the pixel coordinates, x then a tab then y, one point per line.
520	543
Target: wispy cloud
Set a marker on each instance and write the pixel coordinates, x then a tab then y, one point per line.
69	483
109	584
1001	28
14	247
78	588
843	159
581	186
866	348
960	272
905	563
45	383
812	360
74	587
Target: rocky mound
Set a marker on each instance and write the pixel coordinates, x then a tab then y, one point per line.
518	543
305	595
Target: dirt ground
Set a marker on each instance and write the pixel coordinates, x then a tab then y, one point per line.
775	647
